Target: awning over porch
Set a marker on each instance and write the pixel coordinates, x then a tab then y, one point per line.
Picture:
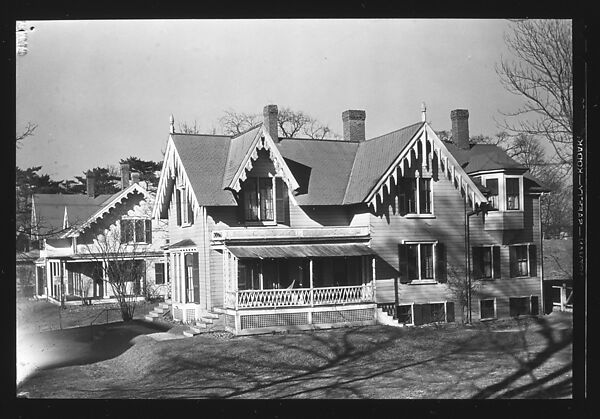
301	250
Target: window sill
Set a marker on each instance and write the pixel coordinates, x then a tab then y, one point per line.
185	225
422	281
260	223
419	216
488	319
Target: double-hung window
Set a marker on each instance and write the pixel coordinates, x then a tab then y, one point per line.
415	195
522	260
136	230
513	194
417	261
265	199
486	262
492	185
185	214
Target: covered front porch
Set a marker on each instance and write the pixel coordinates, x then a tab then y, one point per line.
297	286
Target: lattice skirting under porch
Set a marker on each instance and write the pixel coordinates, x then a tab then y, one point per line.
264	321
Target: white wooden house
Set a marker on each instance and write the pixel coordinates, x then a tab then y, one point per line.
274	233
80	234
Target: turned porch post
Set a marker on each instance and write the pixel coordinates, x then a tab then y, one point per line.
310	278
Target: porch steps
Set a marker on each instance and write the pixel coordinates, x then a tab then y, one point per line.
159	311
384	317
208	322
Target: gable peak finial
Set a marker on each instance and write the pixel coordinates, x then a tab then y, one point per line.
423	112
172	124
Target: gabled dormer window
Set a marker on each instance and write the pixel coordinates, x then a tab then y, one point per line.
265	200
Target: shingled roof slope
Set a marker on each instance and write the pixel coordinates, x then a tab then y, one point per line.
483	157
205	158
239	147
373	158
321	167
50	209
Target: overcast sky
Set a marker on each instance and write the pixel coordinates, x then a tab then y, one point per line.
104	90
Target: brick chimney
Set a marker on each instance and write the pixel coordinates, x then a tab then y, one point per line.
91	184
460	128
124	175
135	177
270	121
354	125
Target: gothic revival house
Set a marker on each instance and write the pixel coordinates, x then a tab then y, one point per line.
272	233
82	237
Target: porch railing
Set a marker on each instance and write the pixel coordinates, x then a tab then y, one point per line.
299	297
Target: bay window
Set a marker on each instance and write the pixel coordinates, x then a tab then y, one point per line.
512	194
492	185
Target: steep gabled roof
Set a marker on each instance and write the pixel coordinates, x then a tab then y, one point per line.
49	210
373	158
204	158
105	208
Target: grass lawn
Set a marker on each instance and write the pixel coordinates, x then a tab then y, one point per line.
528	358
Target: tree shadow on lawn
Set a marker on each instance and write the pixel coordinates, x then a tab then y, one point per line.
82	345
348	364
368	362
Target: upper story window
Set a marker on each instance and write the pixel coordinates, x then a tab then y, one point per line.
265	199
185	213
136	230
505	191
415	196
512	194
492	185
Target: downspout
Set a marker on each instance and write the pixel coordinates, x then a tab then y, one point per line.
541	262
467	261
206	257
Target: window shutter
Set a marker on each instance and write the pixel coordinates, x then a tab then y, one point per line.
532	260
512	253
403	263
240	206
123	227
417	314
441	262
282	201
535	305
476	262
426	316
178	205
450	311
190	212
496	261
196	276
148	231
159	273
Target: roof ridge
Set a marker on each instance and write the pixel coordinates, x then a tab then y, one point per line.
247	131
202	135
392	132
374	138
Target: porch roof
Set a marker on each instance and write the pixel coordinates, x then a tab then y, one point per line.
301	251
